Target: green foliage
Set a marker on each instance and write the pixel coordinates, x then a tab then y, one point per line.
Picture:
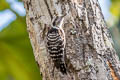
115	29
16	56
115	7
4	5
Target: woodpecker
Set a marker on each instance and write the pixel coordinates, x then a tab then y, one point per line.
56	44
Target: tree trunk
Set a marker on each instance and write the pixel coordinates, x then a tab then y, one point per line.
89	48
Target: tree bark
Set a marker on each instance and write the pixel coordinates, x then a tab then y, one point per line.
89	48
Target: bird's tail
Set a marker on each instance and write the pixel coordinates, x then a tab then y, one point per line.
61	66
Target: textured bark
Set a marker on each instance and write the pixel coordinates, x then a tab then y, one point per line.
89	48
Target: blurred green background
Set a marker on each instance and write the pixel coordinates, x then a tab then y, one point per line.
16	56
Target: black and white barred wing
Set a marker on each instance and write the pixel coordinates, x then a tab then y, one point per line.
56	46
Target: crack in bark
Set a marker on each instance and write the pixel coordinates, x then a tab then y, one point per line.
48	9
114	76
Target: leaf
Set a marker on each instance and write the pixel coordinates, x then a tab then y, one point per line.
4	5
16	55
115	7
